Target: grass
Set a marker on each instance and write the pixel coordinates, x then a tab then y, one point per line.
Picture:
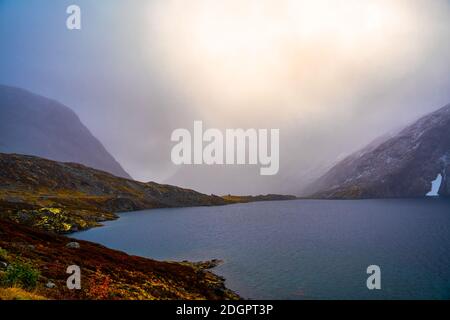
20	274
3	255
16	293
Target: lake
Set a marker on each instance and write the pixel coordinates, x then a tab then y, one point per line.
301	249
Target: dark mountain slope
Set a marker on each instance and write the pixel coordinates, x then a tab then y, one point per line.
34	125
401	166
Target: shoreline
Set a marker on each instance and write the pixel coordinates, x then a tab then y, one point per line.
205	266
106	273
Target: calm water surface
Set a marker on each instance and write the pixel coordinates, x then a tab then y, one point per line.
302	249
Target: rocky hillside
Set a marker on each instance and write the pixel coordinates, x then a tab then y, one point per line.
34	125
66	197
33	266
400	166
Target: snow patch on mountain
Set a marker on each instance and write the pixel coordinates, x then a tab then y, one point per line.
435	186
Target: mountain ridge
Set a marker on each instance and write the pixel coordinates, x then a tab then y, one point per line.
66	197
404	165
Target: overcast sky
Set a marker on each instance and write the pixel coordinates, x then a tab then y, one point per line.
331	75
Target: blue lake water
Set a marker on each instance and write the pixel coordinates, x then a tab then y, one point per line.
302	249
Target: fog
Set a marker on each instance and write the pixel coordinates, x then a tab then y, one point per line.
331	75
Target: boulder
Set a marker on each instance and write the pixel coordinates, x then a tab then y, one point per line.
73	245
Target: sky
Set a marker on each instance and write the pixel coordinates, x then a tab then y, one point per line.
332	75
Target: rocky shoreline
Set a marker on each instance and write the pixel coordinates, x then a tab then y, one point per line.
42	200
107	274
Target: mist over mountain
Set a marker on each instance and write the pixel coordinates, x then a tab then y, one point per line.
35	125
329	90
404	165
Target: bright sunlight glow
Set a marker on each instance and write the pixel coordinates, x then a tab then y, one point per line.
243	55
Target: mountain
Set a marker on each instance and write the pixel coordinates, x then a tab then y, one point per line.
66	197
35	125
403	165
